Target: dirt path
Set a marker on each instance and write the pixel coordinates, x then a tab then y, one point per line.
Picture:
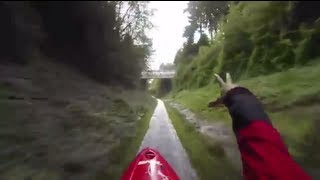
163	137
215	130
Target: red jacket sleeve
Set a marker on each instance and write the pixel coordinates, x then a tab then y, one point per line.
263	153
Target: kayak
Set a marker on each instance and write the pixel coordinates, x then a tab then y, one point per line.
149	165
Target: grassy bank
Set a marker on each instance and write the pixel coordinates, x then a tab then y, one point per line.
124	152
66	128
291	99
207	158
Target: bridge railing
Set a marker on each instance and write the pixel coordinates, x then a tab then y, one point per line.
157	74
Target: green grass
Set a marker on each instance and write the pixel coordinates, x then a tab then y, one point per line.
207	158
197	100
125	151
291	99
297	86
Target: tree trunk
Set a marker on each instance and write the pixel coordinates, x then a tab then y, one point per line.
211	35
200	29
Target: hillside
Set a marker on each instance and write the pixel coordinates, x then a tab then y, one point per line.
250	39
292	100
55	127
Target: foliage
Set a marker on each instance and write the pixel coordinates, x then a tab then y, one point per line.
132	18
167	67
204	14
105	40
252	39
160	87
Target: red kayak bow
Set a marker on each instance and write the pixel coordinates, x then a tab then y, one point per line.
149	165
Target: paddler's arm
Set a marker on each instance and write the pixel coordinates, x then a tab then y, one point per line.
263	153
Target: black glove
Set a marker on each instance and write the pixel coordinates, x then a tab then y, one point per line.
243	106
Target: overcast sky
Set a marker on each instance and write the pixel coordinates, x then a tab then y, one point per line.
170	21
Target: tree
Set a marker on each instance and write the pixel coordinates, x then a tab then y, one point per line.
303	12
205	14
132	17
104	39
203	41
196	17
167	67
213	11
189	33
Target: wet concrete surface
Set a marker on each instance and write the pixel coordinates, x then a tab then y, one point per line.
162	137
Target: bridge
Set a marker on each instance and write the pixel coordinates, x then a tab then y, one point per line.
156	74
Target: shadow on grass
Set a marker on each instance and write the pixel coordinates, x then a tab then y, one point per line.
125	150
